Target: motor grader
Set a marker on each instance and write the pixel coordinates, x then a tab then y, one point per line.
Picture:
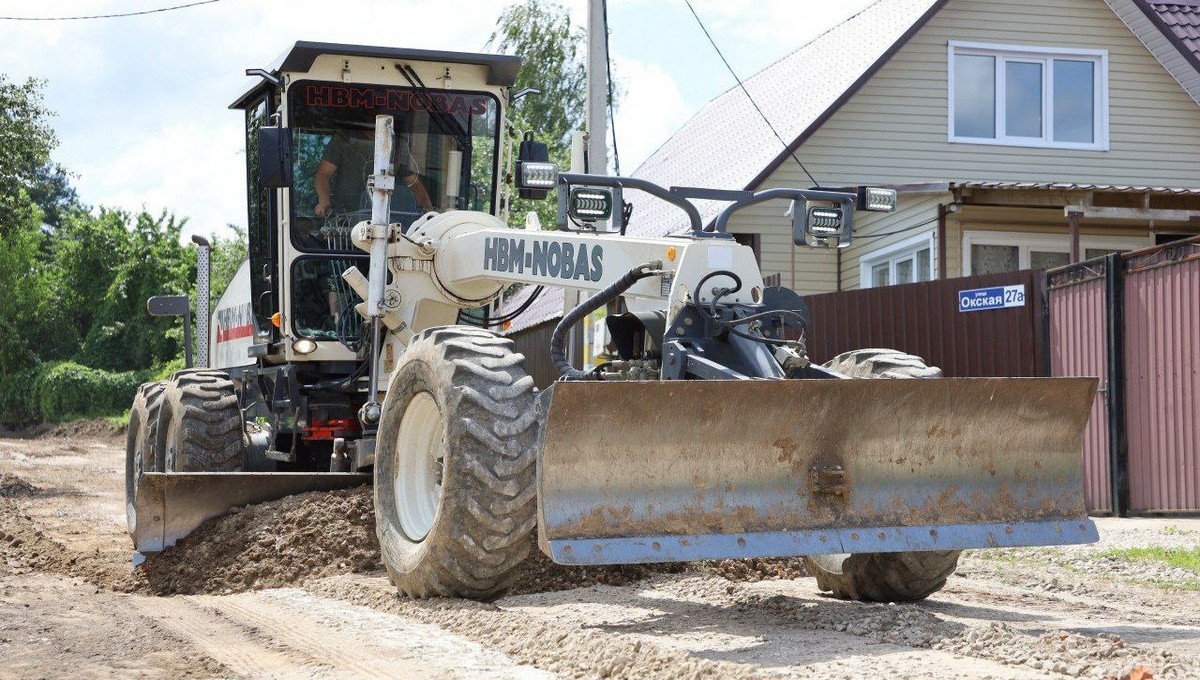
351	347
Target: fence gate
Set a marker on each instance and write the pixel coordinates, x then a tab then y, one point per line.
1079	330
1161	291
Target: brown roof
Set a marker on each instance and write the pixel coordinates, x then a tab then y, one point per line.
1179	22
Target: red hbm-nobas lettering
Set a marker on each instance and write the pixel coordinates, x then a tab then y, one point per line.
351	97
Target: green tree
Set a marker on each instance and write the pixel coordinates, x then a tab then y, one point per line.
146	259
53	193
26	140
227	255
553	56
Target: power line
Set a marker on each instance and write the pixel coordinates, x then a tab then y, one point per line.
111	16
898	231
612	119
741	85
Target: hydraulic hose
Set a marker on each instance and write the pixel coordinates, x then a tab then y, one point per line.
558	340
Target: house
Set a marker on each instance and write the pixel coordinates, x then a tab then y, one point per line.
1022	134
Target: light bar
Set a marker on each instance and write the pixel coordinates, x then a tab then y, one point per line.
531	175
824	222
876	199
589	205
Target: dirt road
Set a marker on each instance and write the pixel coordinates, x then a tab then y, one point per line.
293	590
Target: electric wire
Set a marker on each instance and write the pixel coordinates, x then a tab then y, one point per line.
112	16
747	92
612	119
899	231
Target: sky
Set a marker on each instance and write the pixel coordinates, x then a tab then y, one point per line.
141	103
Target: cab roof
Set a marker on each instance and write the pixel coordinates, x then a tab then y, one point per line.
501	68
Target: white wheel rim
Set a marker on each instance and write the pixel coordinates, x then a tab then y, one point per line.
418	482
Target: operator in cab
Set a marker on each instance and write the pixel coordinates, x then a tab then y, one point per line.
341	178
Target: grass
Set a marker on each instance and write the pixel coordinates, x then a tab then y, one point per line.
1180	558
1187	559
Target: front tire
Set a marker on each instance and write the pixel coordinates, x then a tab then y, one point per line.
883	577
141	453
454	466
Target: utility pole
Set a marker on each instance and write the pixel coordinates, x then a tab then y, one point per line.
597	89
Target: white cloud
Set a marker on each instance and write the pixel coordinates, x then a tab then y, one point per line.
650	111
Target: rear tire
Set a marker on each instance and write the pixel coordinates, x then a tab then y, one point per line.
454	467
200	427
141	454
883	577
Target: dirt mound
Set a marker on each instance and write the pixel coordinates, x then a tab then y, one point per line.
314	535
97	427
100	428
275	544
12	486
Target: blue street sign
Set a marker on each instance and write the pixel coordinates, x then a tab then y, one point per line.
979	299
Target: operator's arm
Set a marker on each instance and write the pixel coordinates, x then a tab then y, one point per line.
420	194
321	183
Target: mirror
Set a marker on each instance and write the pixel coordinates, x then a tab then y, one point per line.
275	157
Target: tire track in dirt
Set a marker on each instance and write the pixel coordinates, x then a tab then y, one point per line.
226	644
563	649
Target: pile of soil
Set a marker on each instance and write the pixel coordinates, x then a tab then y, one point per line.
270	545
101	428
315	535
12	486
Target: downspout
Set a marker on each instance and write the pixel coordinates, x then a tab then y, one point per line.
941	241
839	271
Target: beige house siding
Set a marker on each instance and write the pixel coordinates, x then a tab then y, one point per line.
894	130
913	210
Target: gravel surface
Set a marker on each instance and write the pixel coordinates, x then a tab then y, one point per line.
292	588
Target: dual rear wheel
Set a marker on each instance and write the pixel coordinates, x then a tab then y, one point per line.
190	423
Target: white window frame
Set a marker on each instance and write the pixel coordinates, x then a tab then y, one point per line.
1043	55
1047	243
897	251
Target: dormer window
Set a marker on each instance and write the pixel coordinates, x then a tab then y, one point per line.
1028	96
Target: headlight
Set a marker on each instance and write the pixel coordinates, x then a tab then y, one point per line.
537	175
875	199
589	205
304	346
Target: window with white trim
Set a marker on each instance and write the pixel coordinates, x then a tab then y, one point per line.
993	252
908	261
1028	96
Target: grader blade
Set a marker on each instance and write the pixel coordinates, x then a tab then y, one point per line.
170	505
693	470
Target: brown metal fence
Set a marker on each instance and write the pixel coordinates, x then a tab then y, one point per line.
1134	320
924	319
1078	310
1162	377
534	343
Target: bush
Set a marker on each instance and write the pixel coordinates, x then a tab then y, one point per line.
18	398
66	390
